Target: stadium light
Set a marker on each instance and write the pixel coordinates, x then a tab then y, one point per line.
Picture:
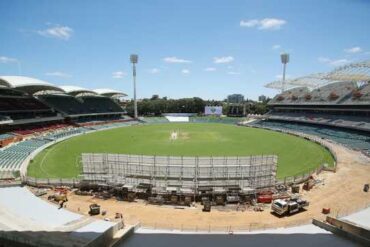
284	60
134	59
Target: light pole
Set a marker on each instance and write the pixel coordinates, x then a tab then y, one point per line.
134	59
284	60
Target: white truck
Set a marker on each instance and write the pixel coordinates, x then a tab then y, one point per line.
288	206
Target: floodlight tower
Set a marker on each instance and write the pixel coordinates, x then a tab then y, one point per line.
284	60
134	59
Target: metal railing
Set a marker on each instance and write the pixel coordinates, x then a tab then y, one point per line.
41	182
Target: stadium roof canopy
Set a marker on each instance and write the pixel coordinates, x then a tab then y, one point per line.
351	72
77	91
27	84
310	81
354	72
110	92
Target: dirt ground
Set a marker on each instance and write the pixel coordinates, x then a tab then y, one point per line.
341	191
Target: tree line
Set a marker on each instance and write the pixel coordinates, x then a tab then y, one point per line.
156	106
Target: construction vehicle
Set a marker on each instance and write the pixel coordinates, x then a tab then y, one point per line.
308	185
58	197
288	206
40	192
206	205
173	199
158	200
131	195
232	198
366	187
94	209
295	188
187	201
266	198
83	193
220	200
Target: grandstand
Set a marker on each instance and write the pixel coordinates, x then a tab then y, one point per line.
27	100
352	139
83	104
13	156
17	106
340	98
316	103
39	112
66	104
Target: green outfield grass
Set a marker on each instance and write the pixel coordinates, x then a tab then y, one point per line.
295	154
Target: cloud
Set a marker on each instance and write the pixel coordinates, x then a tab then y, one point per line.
185	71
276	47
58	74
272	24
263	24
57	31
4	59
355	49
175	60
154	71
227	59
118	74
333	62
210	69
249	23
233	73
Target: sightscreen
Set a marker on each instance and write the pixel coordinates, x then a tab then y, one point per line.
213	110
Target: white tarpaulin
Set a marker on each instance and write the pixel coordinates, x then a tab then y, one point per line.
177	119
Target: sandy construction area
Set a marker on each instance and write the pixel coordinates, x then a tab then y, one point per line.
341	191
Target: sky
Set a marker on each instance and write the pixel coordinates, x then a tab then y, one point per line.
193	48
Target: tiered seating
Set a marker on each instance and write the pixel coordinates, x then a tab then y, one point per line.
293	95
5	136
332	93
100	104
11	158
351	139
38	130
340	104
62	134
359	96
156	120
21	104
81	105
65	103
23	107
359	122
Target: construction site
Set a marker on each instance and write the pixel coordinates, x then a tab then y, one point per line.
280	205
178	180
